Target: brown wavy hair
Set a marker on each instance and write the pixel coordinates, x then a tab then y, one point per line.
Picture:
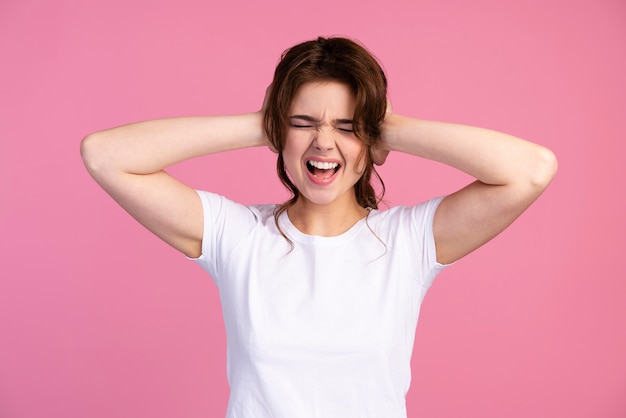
333	59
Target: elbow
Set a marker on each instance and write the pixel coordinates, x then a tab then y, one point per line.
92	153
549	164
87	152
545	168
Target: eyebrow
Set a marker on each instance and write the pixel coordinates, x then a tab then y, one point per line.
312	119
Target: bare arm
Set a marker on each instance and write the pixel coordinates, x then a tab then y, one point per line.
128	163
510	174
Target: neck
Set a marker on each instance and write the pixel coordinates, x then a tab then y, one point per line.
325	220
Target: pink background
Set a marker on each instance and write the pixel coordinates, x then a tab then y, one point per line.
100	319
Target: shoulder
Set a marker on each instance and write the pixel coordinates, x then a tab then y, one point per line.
227	224
218	207
407	234
420	215
408	229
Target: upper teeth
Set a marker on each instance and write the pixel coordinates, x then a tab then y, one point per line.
323	165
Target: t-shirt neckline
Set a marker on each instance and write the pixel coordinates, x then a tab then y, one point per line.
295	234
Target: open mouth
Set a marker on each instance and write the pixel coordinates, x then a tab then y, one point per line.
322	170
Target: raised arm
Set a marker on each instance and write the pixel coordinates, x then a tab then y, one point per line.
129	162
510	174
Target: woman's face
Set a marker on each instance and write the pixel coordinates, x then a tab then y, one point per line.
321	153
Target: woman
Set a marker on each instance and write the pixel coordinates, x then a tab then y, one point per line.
321	294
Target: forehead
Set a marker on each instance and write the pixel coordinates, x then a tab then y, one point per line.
319	98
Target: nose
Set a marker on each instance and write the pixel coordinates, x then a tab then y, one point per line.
324	139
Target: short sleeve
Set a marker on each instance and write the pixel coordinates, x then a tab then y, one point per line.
423	216
415	239
226	223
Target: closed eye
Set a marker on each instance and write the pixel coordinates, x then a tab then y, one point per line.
344	125
302	121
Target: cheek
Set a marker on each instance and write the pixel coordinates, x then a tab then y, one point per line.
359	157
291	156
287	148
295	142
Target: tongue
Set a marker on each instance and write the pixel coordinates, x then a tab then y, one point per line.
323	174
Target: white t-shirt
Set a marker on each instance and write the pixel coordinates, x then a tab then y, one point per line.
325	329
